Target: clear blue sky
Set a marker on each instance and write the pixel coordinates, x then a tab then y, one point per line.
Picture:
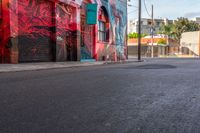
166	8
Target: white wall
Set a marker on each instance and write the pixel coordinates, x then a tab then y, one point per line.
191	41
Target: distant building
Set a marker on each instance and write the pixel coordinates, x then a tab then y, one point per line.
146	25
197	20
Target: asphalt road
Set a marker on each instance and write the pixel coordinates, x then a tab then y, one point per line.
155	96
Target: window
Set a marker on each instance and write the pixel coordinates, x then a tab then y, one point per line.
102	31
103	26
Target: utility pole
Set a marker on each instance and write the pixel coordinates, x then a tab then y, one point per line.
139	30
127	29
152	29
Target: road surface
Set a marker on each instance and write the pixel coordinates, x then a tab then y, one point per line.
155	96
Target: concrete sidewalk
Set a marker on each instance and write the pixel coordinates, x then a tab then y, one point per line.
53	65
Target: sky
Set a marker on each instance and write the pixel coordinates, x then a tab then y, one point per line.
171	9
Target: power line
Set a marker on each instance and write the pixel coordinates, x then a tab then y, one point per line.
132	11
132	6
146	8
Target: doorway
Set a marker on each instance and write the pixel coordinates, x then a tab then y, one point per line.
87	39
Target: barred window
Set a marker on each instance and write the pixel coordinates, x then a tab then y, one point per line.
103	25
102	31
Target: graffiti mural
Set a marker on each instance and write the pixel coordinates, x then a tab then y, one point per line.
4	31
48	30
66	32
87	35
35	21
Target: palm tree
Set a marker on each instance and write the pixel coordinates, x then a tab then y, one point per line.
167	30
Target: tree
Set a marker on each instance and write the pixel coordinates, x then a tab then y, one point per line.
135	35
183	25
166	29
162	41
132	35
180	25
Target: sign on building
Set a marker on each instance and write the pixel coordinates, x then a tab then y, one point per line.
91	12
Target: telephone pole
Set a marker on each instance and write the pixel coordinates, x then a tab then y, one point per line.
139	30
152	30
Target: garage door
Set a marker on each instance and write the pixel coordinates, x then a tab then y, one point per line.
35	21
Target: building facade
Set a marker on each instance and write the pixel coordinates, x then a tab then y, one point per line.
146	25
57	30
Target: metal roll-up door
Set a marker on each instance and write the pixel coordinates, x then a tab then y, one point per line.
35	25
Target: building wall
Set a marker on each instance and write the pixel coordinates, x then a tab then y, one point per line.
162	49
48	30
117	45
190	43
145	51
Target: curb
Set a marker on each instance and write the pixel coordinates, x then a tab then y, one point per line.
44	67
37	67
